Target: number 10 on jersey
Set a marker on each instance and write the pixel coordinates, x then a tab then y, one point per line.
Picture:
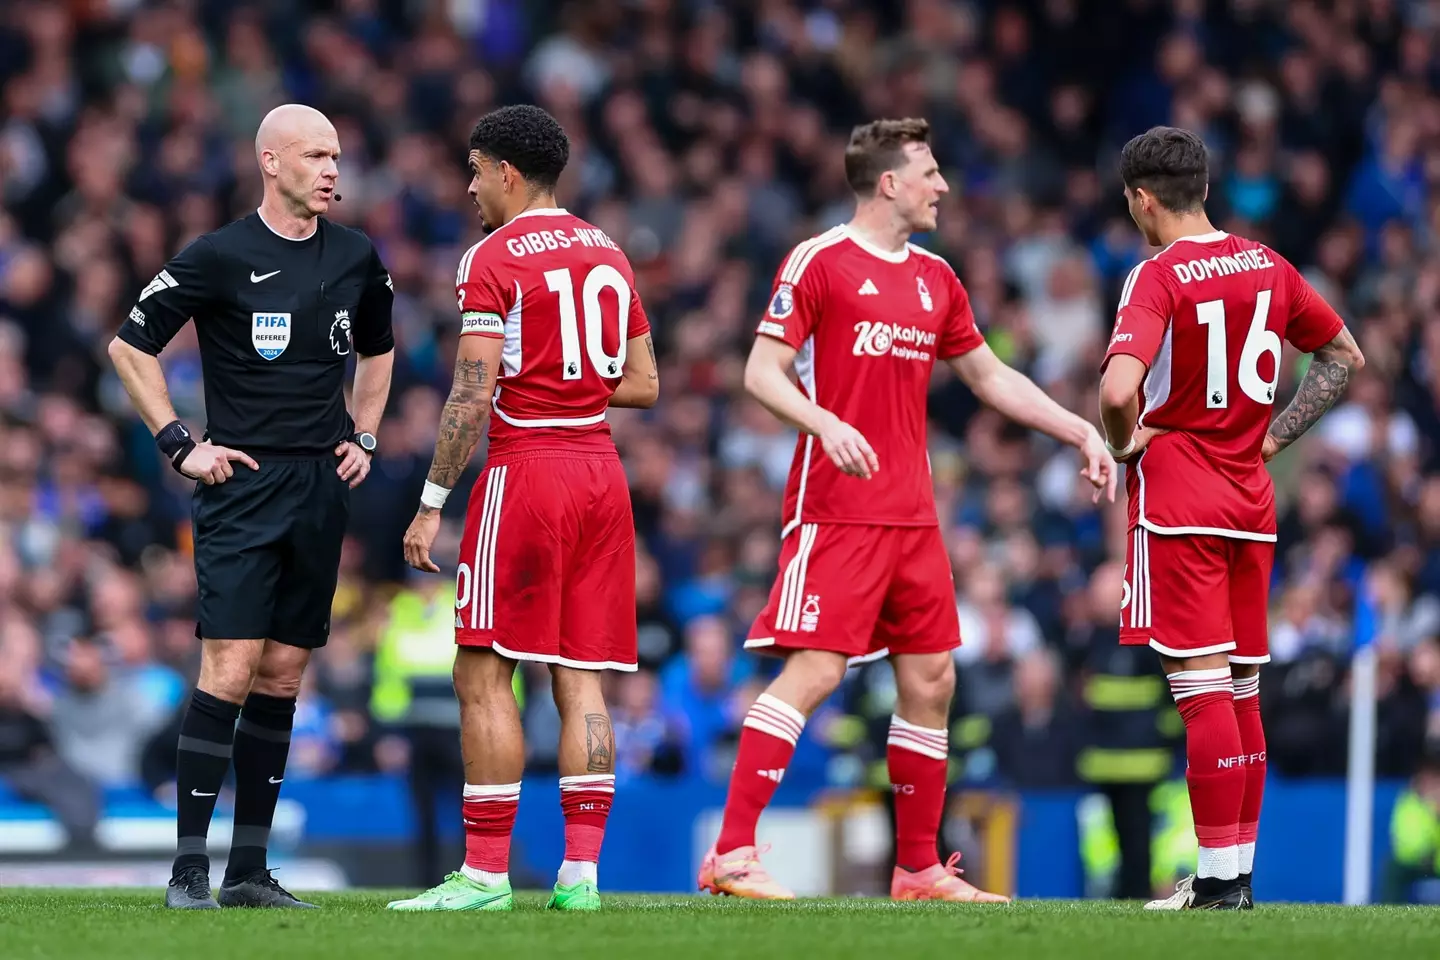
600	277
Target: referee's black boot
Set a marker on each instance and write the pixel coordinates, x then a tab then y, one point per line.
190	890
260	889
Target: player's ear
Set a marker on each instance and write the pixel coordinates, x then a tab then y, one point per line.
886	186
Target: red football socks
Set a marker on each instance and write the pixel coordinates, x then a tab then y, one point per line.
1216	774
917	758
767	741
489	813
585	801
1252	745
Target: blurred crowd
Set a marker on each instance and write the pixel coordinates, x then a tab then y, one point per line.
707	138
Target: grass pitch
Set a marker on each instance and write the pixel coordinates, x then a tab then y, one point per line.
40	924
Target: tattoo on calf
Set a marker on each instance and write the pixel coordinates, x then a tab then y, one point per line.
599	744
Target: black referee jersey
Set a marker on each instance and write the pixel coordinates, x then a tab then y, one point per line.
277	320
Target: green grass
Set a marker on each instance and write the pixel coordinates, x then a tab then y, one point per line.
122	924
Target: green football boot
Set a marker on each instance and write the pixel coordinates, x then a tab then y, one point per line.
459	892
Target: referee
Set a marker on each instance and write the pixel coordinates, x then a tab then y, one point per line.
281	299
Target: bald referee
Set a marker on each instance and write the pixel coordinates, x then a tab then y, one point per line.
280	299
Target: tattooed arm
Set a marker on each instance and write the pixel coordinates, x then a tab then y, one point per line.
467	409
640	382
1322	385
462	423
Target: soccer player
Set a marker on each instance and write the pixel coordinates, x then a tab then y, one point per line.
861	315
547	558
1199	328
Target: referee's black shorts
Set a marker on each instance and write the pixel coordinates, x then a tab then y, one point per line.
267	551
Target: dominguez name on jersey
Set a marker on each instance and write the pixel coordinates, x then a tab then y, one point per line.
1241	261
876	339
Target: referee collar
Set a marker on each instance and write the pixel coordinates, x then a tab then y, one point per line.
308	236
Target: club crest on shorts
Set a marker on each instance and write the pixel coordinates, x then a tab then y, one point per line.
783	303
810	613
340	333
270	333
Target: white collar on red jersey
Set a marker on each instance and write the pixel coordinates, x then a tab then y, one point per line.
1211	237
890	256
542	212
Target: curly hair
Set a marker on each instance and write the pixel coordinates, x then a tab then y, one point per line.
527	138
1170	163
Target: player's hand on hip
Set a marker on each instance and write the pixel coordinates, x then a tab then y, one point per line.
354	463
211	464
1099	467
419	538
848	449
1269	448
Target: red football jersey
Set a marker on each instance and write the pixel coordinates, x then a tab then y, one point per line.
562	296
1207	315
869	325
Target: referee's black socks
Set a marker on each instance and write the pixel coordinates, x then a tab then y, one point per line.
262	745
202	759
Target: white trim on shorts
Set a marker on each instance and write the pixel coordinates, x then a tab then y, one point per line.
1159	647
1235	659
563	661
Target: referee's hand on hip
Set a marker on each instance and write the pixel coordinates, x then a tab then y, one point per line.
210	464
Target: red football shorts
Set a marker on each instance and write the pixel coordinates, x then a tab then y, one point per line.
864	591
1188	595
547	562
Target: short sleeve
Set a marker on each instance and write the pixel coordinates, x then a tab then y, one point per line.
960	334
180	291
639	323
1313	322
373	333
482	299
1146	304
796	300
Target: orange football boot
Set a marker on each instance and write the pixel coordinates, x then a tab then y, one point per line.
940	882
739	873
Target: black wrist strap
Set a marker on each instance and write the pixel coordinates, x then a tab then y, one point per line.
175	443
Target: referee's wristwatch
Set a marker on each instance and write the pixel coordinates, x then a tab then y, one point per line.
365	441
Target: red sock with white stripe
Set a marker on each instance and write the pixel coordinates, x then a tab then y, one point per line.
1252	745
489	812
585	801
917	758
1215	776
767	741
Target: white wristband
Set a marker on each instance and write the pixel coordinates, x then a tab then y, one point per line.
1121	454
434	495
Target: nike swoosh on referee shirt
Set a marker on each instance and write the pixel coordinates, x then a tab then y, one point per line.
263	276
197	793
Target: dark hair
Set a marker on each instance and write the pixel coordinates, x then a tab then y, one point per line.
1171	164
527	138
878	147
